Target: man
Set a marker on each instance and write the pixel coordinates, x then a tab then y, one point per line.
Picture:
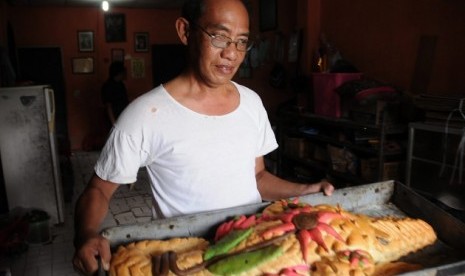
201	136
114	94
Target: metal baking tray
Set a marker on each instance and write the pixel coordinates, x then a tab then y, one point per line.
388	198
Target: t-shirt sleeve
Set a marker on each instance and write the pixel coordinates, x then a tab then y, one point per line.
267	139
269	143
120	159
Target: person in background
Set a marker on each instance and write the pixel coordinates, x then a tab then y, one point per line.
114	93
200	136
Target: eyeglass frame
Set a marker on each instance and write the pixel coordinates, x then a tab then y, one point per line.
228	42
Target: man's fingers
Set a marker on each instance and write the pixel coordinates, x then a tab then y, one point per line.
86	262
105	254
77	265
86	258
328	188
83	269
90	265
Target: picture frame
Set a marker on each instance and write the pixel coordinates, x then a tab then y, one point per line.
85	41
268	10
137	68
117	54
83	65
115	27
141	42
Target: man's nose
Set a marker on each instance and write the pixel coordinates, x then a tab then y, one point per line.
230	52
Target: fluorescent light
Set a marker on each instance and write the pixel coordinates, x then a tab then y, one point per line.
105	5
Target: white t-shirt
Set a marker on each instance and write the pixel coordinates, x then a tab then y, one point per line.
195	162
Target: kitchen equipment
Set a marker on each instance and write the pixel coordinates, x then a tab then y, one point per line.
28	150
387	198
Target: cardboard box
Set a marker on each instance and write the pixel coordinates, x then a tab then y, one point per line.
391	170
373	114
298	147
343	160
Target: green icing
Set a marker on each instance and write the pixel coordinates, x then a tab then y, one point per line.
228	242
243	262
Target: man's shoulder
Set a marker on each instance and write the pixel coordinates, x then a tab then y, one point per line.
155	94
143	105
248	94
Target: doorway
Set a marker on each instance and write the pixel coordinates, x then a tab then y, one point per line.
168	60
44	65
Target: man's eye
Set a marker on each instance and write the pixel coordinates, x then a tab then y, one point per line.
243	41
221	37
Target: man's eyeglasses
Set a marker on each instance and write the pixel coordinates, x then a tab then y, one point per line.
223	42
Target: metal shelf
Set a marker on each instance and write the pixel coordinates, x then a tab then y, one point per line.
347	123
295	124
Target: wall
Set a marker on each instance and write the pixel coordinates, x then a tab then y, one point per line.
37	27
273	97
55	26
382	39
3	22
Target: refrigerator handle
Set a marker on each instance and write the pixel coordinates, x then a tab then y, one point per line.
50	104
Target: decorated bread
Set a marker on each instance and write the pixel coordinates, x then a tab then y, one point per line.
287	238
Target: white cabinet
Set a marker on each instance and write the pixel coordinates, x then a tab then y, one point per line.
28	149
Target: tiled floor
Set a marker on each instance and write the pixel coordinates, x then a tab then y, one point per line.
128	206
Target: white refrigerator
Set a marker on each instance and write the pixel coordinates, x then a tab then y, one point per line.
28	149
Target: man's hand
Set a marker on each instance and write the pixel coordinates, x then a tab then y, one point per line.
91	208
326	187
85	258
323	186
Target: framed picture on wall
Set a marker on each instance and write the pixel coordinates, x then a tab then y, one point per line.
85	41
138	68
141	42
268	10
117	55
115	27
83	65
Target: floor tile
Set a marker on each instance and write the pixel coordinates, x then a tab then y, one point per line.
130	204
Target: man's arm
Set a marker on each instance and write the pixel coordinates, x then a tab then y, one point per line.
272	187
91	209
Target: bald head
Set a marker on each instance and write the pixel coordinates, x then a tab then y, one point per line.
193	10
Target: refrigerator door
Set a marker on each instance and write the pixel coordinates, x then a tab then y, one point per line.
28	150
50	108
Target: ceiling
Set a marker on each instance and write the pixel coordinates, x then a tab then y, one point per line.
162	4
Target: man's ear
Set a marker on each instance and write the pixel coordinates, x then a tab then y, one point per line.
182	28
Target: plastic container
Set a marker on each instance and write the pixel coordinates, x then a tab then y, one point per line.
39	227
325	98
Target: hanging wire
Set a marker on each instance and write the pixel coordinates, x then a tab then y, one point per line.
458	161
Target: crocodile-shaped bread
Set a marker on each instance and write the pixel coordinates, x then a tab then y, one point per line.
286	238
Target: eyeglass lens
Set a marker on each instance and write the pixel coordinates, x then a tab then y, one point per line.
221	41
